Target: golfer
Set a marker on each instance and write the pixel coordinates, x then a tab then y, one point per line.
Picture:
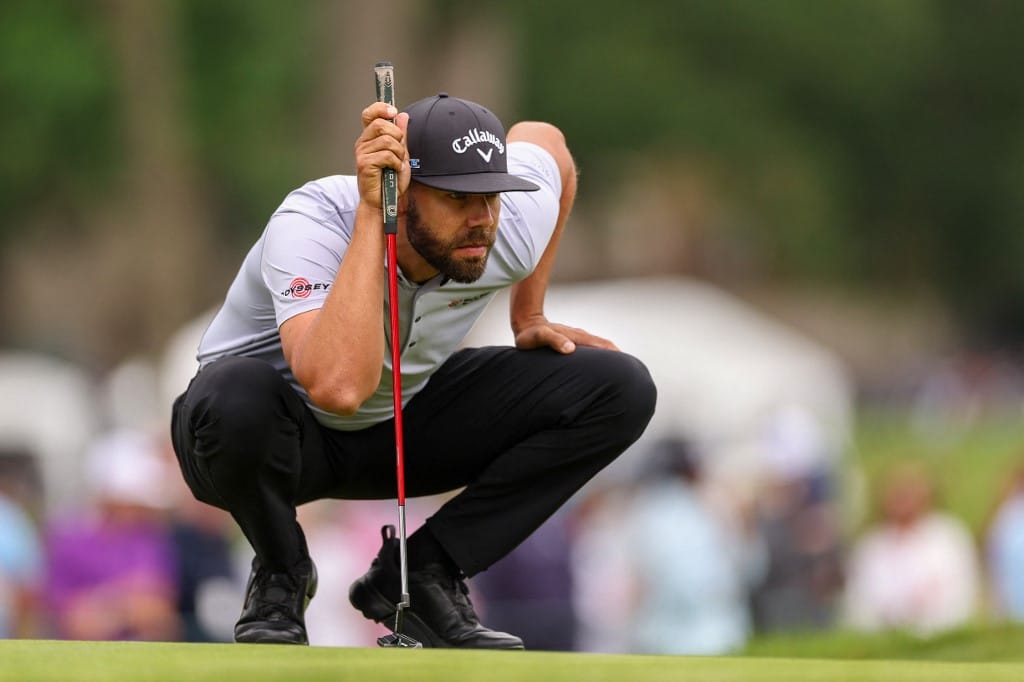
293	398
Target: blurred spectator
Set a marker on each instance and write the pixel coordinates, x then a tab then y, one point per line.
21	556
797	518
1004	550
600	576
111	567
529	592
917	569
690	569
210	570
208	582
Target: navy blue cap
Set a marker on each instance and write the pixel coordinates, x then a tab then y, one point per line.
459	146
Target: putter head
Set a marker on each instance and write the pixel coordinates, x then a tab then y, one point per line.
396	640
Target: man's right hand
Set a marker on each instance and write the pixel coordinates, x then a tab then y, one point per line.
381	145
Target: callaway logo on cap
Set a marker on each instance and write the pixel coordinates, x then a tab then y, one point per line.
459	146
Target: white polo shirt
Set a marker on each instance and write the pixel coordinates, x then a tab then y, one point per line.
292	267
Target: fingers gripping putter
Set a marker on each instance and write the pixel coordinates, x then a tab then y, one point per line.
385	80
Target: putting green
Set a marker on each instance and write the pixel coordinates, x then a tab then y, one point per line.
32	660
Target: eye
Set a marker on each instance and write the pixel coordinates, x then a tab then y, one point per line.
457	196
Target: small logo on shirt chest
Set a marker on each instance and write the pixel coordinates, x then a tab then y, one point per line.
459	302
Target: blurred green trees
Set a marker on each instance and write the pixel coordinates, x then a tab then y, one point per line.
248	88
864	141
859	143
56	108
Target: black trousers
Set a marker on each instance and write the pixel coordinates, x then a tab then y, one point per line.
520	431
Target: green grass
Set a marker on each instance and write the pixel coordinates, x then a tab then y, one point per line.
989	644
32	661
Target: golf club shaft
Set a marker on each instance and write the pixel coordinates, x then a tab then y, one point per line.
385	83
396	369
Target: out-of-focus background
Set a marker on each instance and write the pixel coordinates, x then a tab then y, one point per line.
805	217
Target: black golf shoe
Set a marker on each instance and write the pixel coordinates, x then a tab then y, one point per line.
275	606
440	614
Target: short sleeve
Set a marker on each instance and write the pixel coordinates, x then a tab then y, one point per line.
528	218
299	262
533	162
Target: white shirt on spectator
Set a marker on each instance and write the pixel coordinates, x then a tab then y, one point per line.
923	578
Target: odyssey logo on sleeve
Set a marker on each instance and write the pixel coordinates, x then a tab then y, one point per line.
302	288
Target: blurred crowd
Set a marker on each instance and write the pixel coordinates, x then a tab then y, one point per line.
665	562
666	556
673	562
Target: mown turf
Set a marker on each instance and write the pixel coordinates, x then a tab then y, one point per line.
31	661
979	644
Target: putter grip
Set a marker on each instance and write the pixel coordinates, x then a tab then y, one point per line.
384	73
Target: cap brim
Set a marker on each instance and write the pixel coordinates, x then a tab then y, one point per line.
477	183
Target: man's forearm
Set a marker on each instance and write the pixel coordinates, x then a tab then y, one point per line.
527	296
340	356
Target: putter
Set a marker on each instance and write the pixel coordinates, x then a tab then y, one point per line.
385	80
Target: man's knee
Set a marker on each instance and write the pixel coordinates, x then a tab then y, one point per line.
618	394
631	390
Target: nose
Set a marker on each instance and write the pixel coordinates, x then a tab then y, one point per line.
482	209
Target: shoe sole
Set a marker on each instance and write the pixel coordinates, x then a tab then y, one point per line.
369	601
269	637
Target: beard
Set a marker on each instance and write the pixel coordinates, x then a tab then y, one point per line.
440	253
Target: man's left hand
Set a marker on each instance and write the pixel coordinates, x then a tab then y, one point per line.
539	333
